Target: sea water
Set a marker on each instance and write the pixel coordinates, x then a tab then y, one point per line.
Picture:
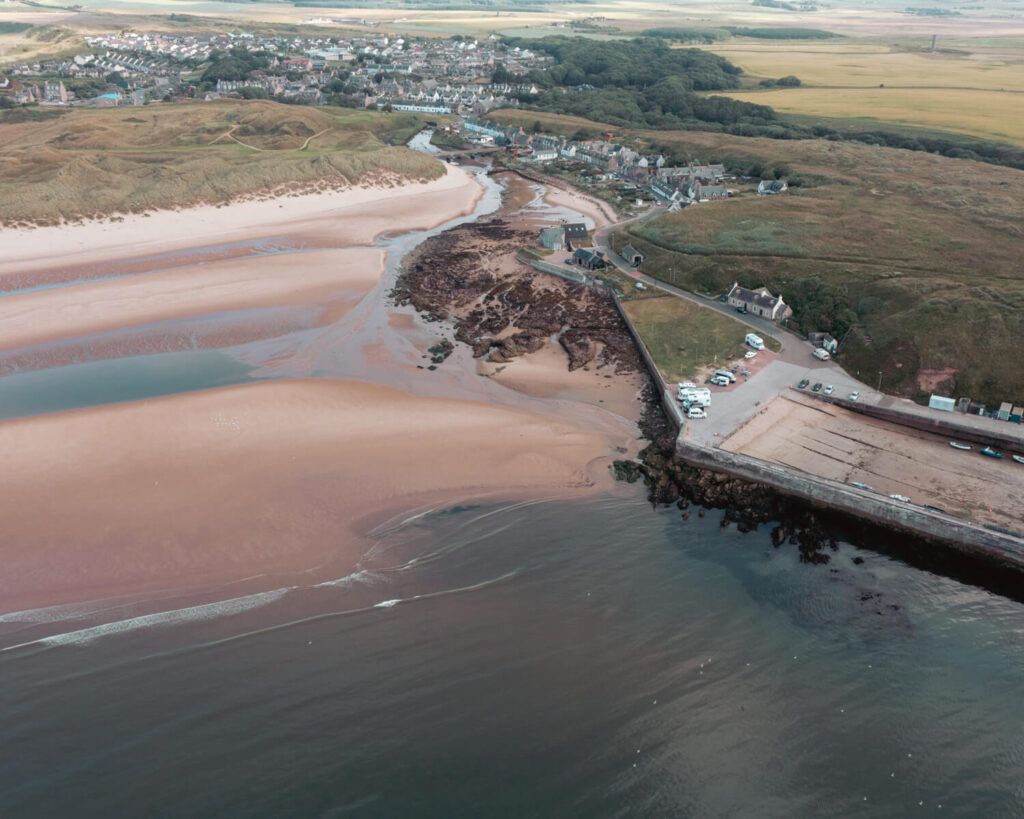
550	658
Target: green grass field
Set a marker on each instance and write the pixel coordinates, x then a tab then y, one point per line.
684	338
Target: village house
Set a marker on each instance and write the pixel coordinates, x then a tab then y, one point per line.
823	340
759	302
589	259
553	238
632	255
706	193
576	232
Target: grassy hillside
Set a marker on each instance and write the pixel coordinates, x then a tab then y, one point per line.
920	255
86	163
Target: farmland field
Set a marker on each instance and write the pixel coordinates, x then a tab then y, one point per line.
855	65
990	115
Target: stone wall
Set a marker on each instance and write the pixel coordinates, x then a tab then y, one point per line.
996	548
944	424
668	401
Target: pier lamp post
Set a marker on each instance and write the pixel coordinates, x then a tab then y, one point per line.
879	388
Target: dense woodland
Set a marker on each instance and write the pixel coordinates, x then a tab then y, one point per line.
640	82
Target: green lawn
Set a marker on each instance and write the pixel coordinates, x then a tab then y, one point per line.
684	337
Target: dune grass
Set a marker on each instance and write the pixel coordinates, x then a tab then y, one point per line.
88	163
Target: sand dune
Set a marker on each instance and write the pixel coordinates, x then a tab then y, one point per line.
272	477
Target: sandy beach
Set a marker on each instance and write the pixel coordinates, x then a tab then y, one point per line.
277	479
345	218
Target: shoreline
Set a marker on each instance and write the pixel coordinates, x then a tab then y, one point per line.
204	489
198	489
368	212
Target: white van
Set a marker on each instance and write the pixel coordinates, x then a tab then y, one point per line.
727	375
700	397
821	354
696	412
755	341
720	381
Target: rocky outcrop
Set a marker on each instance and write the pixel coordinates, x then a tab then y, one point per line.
502	309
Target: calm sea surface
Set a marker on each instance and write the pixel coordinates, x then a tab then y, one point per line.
587	658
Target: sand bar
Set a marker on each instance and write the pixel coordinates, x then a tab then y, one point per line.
341	277
210	487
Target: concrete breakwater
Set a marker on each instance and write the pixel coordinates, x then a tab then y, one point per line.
929	539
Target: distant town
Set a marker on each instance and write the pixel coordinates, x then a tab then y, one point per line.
455	76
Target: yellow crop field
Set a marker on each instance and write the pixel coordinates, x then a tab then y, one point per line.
852	65
997	115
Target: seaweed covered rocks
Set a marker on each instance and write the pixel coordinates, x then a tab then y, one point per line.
502	308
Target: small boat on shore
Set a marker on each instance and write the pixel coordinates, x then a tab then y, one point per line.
1018	459
991	452
955	445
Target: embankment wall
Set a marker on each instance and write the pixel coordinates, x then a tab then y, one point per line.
996	549
668	402
1011	440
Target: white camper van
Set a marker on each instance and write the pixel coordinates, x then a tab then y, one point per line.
755	341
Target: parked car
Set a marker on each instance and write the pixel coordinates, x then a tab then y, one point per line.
803	384
696	412
828	390
723	298
855	395
750	353
816	387
903	498
741	310
720	381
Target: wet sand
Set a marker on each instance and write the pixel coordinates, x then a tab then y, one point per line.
209	487
340	278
